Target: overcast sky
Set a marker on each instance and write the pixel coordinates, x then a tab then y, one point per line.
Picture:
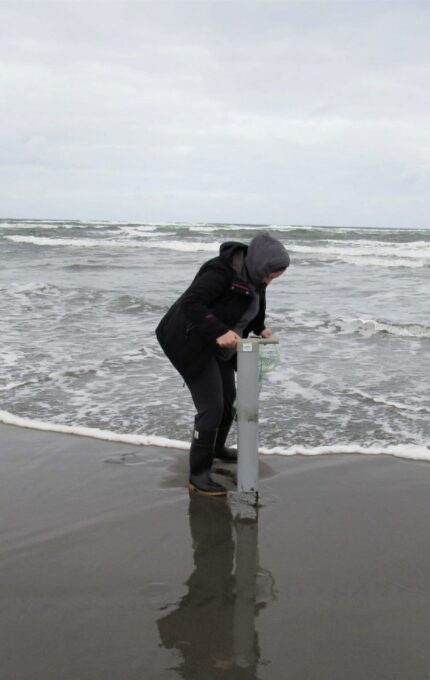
231	111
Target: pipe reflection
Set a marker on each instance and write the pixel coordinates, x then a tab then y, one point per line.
213	626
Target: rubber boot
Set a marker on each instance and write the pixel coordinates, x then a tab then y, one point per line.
201	457
223	452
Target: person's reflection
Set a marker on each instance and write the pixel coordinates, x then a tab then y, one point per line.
213	625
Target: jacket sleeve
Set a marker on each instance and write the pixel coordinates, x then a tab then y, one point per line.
206	287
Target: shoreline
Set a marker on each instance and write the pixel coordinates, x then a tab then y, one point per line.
113	571
413	452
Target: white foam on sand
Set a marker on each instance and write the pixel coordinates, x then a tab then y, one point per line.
406	451
135	439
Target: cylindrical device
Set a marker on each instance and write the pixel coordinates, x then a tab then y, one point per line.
247	415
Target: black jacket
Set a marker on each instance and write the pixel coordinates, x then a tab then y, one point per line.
213	304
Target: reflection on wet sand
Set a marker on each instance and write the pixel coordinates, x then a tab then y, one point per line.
213	626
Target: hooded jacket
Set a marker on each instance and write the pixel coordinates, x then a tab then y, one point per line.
217	299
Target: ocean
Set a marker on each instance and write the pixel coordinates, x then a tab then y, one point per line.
79	303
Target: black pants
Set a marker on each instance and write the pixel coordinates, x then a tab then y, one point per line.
214	393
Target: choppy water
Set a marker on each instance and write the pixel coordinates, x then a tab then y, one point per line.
79	303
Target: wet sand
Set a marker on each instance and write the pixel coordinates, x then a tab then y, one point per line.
110	571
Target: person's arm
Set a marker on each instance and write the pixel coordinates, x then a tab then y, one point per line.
196	301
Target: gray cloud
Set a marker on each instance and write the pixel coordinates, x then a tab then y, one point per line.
274	112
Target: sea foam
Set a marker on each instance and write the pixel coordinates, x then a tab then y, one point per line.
384	401
369	327
406	451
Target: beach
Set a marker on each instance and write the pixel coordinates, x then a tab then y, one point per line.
161	164
111	570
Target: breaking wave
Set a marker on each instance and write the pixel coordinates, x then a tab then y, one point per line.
181	238
392	404
32	288
183	246
368	327
371	253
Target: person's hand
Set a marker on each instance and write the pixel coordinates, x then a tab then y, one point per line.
228	340
266	333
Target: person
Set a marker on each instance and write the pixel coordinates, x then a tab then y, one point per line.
199	333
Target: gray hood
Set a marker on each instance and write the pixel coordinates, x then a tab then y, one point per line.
265	255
